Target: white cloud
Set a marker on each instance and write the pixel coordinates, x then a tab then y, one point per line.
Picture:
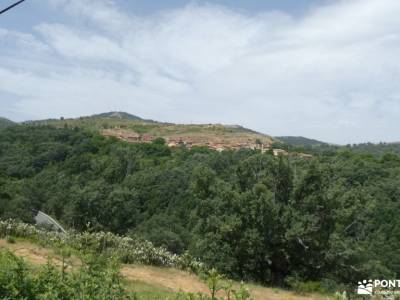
12	40
332	74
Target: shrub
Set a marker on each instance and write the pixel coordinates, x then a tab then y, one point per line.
10	240
307	287
97	279
15	280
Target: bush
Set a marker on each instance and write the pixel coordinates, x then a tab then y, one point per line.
97	279
15	280
10	240
307	287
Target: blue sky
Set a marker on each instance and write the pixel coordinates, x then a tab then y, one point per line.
322	69
32	12
294	7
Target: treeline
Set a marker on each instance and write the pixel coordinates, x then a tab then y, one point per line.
377	150
331	219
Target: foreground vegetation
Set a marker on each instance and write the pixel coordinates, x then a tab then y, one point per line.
97	279
136	282
323	223
95	273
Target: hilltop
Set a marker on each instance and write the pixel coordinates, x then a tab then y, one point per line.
134	129
119	115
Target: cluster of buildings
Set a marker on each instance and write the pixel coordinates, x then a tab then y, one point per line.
218	145
189	142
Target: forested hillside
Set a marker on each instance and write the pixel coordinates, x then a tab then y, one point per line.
332	219
5	122
299	141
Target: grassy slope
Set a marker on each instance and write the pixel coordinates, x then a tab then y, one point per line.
148	281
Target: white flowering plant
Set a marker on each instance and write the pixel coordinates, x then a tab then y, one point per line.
128	250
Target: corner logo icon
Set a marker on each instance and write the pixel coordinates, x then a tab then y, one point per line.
365	287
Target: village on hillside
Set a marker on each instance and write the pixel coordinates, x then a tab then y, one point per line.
214	143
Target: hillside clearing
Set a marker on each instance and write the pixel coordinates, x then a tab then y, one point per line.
164	280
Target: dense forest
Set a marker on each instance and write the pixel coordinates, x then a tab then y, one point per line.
276	220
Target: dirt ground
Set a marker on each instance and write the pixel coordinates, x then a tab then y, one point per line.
32	253
179	280
169	278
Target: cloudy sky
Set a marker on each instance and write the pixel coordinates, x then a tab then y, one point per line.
323	69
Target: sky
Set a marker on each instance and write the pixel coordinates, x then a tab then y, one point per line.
322	69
